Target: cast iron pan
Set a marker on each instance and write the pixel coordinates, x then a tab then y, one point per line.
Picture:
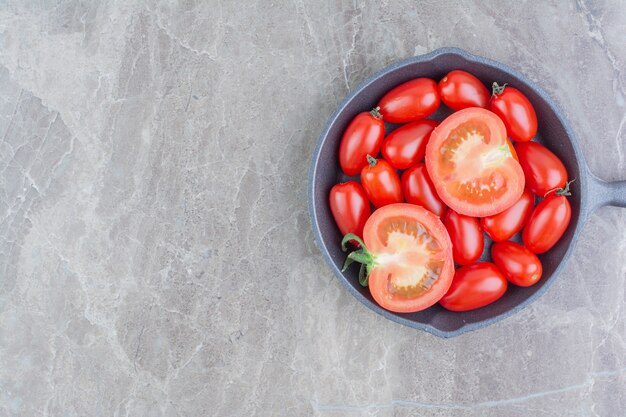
588	191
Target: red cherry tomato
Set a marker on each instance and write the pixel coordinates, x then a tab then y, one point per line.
516	112
547	223
410	101
459	90
419	189
505	225
381	183
350	207
543	170
519	265
406	146
474	286
362	137
406	258
466	236
470	163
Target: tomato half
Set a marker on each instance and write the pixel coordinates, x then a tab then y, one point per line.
406	146
408	256
474	286
381	183
519	265
466	237
515	110
460	89
543	170
419	189
547	223
362	137
505	225
413	100
469	160
350	207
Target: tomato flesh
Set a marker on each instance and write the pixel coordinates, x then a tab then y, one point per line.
471	164
413	267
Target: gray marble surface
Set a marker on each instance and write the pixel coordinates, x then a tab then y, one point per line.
156	257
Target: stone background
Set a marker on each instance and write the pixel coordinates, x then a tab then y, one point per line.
156	257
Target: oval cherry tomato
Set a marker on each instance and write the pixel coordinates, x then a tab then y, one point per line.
543	170
410	101
419	189
381	183
407	257
350	207
516	112
406	146
474	286
362	137
519	265
459	90
466	237
547	223
469	160
505	225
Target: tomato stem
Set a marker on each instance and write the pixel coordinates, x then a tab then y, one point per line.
376	113
371	160
497	89
565	191
363	256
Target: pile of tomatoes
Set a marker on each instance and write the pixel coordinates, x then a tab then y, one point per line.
429	191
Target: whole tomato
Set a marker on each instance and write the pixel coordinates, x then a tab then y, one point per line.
460	89
548	222
410	101
350	207
543	170
406	146
516	112
419	189
466	236
381	182
519	265
474	286
362	137
505	225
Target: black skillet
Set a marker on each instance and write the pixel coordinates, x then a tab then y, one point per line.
588	191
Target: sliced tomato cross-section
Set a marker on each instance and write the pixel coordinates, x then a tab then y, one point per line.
407	256
471	165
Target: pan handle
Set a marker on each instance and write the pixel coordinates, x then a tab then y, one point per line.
605	193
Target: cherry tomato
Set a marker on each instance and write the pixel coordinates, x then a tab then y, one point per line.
459	90
519	265
419	189
413	100
350	207
516	112
466	237
406	146
362	137
469	160
547	223
505	225
406	257
543	170
474	286
381	183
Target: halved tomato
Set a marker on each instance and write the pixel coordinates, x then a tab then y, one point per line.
406	257
470	162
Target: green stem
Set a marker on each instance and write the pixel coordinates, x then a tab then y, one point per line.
371	160
376	113
362	256
497	89
565	191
